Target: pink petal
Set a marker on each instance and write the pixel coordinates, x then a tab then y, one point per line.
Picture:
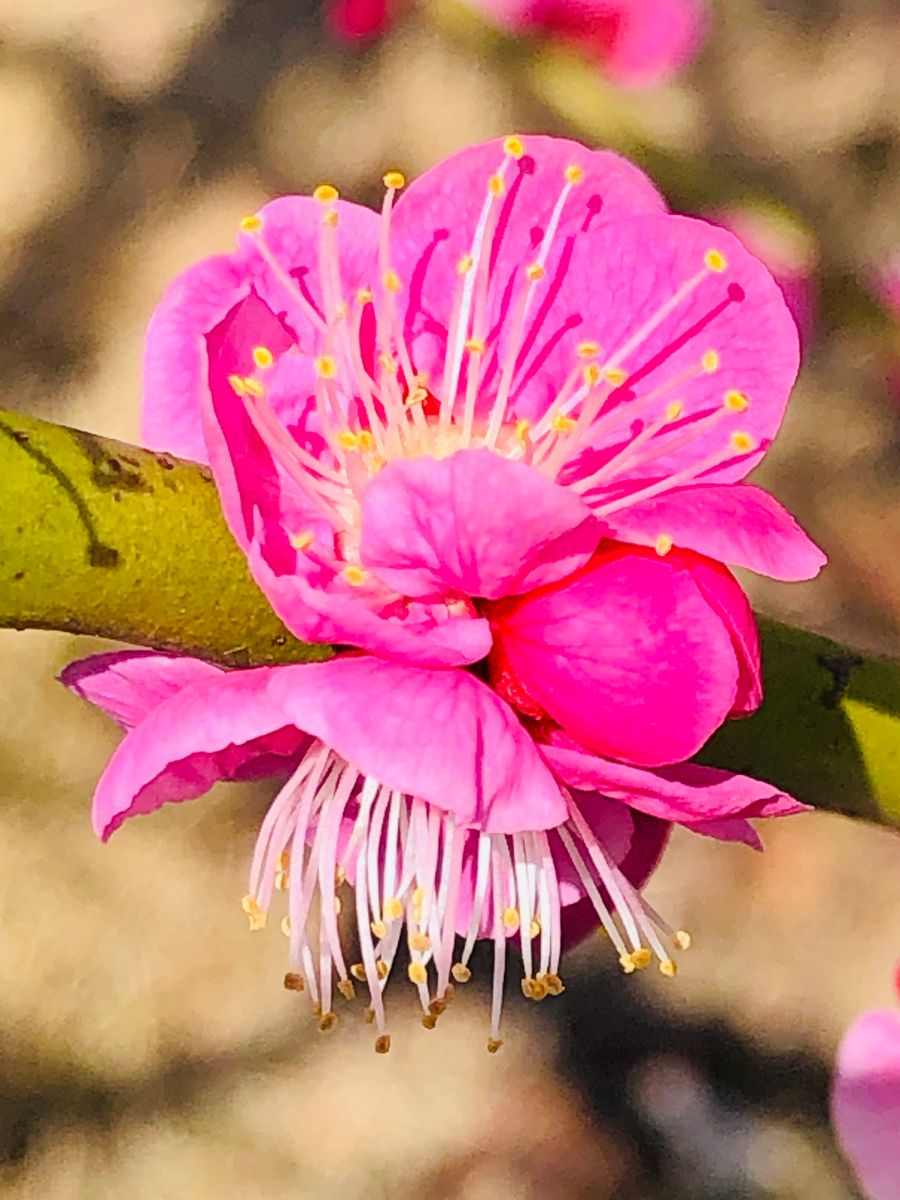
688	793
866	1102
210	730
440	735
473	523
435	220
626	655
726	598
357	20
129	684
734	523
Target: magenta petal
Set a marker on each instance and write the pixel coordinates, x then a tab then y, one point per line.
735	523
689	794
210	730
726	598
440	735
129	684
866	1102
474	523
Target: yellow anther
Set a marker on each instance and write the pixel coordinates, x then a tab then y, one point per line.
528	987
674	411
535	272
641	958
562	424
391	281
493	1045
553	984
340	310
574	173
715	261
417	973
251	224
417	396
465	264
358	971
476	345
252	387
736	402
237	385
514	147
523	428
347	440
302	541
683	939
284	860
355	575
281	881
338	906
286	926
615	375
383	1043
294	982
331	218
325	193
539	990
591	375
587	350
387	364
534	928
511	918
394	179
420	942
366	441
663	545
710	361
381	968
743	442
262	356
626	964
369	1015
394	909
496	185
669	968
379	929
327	1021
429	1020
346	988
460	972
418	896
364	296
326	367
255	914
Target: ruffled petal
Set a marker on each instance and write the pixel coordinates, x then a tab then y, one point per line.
474	524
626	655
210	730
734	523
440	735
866	1102
727	599
130	684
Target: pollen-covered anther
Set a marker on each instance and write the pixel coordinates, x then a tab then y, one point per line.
683	939
383	1043
391	282
476	345
348	440
553	984
744	443
263	357
591	375
523	428
379	928
534	928
429	1020
417	972
393	908
286	926
325	193
514	147
237	385
674	411
294	982
496	186
387	364
627	964
641	958
355	575
511	919
364	296
302	541
535	272
587	349
251	224
381	968
715	261
562	424
327	1021
417	396
420	941
574	173
366	441
465	264
615	375
494	1044
255	914
710	361
394	180
369	1016
663	545
281	881
331	218
346	988
669	968
252	387
358	971
460	972
326	367
736	401
534	989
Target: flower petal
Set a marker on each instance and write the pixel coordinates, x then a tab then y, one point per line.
866	1102
734	523
626	655
440	735
130	684
473	523
210	730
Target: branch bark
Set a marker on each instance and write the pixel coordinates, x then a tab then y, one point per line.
103	538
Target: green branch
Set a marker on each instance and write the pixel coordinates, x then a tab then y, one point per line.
103	538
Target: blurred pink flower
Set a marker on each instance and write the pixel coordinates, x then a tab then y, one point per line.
865	1101
634	42
424	791
358	20
787	248
416	414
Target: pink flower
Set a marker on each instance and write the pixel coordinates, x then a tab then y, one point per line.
414	415
358	20
423	790
635	42
865	1101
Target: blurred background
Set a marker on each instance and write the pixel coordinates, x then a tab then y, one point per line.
147	1047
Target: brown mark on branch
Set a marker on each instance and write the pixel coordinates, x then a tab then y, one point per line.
840	667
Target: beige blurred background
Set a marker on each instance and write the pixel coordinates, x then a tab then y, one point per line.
147	1048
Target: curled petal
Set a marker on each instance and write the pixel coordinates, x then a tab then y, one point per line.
866	1102
130	684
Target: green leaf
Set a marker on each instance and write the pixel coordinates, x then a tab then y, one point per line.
103	538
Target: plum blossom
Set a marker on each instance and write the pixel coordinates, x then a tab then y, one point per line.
508	415
419	809
865	1101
